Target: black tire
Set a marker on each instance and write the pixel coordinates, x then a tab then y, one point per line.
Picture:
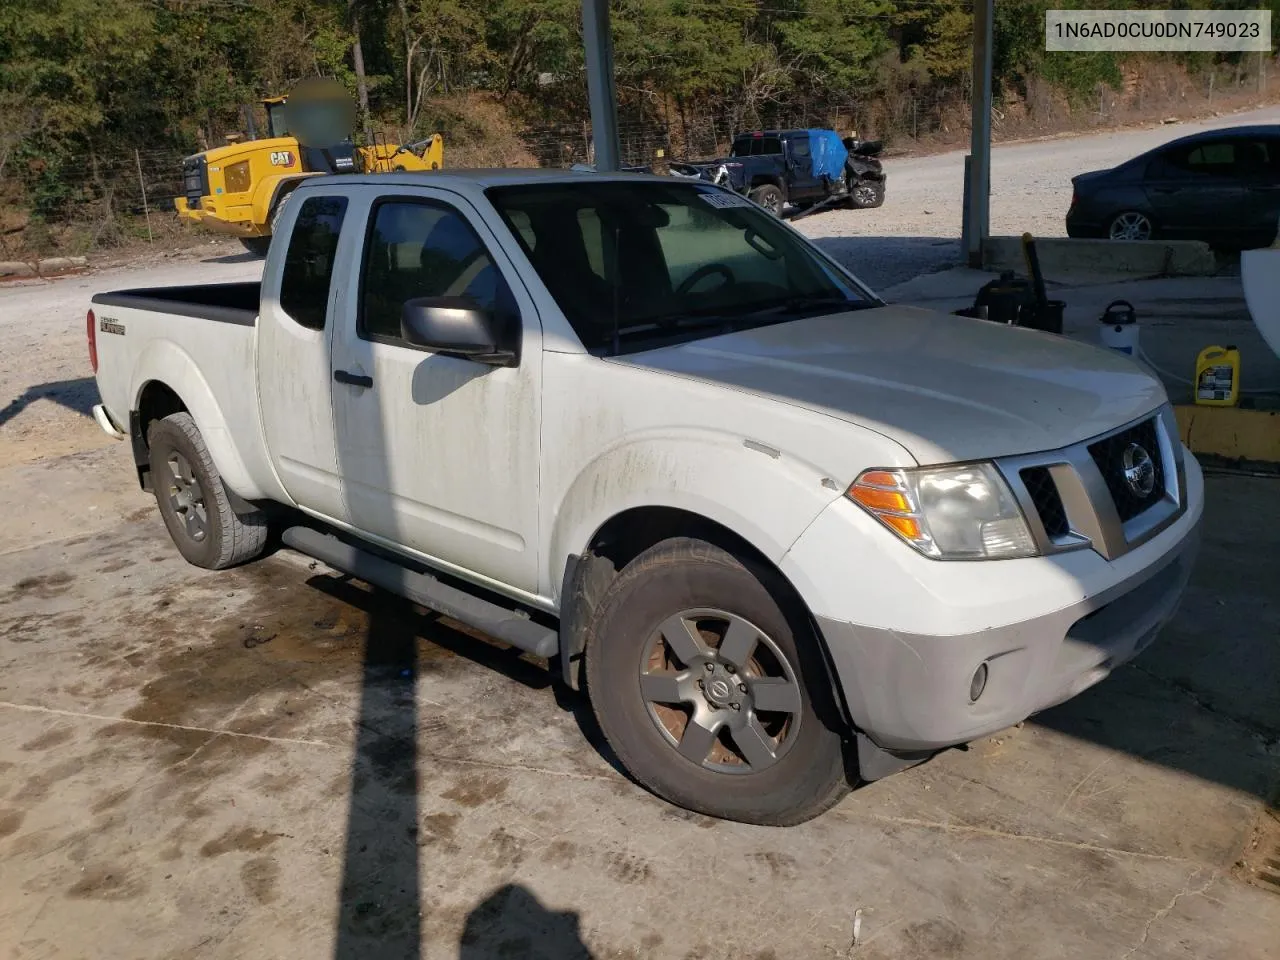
768	196
867	194
211	527
808	775
258	246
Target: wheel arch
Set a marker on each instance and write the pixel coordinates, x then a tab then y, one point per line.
167	380
630	532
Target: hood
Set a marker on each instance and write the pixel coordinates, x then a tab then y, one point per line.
233	151
946	388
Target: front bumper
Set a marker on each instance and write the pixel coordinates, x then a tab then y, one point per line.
1047	628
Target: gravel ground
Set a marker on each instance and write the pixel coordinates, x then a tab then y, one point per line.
46	391
46	386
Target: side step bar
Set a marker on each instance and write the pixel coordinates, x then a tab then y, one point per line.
509	626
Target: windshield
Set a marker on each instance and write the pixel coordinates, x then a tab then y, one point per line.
638	265
277	125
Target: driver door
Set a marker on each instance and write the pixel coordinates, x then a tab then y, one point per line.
439	453
802	182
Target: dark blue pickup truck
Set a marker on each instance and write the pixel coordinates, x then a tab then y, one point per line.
803	168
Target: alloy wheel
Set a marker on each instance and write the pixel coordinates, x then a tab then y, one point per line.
186	497
720	691
1131	226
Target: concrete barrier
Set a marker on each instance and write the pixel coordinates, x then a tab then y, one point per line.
1231	432
1063	259
55	265
49	267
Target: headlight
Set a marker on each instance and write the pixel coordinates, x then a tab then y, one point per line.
963	512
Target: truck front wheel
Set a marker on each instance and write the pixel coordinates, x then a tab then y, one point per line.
769	197
205	524
709	693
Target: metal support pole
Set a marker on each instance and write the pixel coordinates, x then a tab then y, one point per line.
977	213
142	185
601	92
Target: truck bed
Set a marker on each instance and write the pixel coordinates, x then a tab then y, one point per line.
200	343
223	302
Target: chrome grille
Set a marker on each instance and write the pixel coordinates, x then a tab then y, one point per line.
1044	494
1078	497
1108	454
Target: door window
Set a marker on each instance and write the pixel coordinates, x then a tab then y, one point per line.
308	263
800	148
1255	158
756	147
1212	159
422	249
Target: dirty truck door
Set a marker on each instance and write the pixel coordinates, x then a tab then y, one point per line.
299	301
438	452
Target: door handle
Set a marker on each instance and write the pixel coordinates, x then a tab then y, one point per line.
352	379
1164	189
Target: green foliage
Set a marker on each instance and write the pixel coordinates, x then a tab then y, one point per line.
86	78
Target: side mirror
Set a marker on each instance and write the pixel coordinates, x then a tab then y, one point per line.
453	325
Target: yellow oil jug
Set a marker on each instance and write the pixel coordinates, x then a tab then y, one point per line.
1218	377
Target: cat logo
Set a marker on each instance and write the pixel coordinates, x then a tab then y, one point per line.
282	158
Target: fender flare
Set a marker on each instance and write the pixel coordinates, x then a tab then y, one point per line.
698	472
164	362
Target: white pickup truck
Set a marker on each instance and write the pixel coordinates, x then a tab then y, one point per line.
785	535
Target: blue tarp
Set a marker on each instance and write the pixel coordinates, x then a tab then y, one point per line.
829	153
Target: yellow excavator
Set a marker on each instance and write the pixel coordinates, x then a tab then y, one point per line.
241	188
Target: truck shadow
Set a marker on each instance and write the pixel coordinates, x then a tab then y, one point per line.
242	256
77	395
1202	698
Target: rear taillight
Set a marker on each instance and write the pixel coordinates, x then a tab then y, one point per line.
91	331
1075	198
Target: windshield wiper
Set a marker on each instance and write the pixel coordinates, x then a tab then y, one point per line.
732	321
802	304
677	326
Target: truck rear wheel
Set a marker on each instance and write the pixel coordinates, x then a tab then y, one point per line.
769	197
198	510
709	694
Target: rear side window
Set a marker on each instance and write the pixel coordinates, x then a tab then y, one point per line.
1212	158
308	263
799	147
419	248
756	146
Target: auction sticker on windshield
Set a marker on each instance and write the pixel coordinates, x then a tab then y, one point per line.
722	198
